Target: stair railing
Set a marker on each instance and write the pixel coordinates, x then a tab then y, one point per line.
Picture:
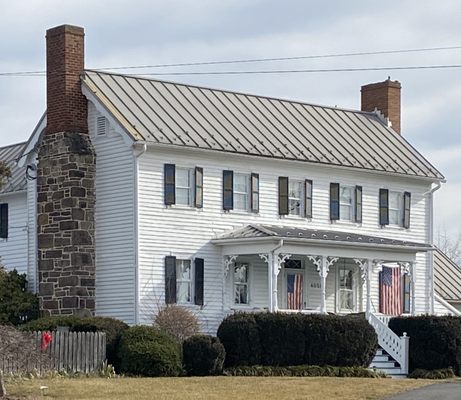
397	347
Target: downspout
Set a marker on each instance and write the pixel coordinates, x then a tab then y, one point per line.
430	194
139	149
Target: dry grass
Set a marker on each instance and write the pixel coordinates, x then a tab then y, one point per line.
221	388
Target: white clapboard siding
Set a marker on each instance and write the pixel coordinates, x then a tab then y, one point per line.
186	232
114	215
13	250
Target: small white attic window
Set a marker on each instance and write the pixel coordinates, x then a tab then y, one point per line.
101	126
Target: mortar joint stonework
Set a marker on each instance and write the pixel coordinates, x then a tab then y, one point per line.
66	249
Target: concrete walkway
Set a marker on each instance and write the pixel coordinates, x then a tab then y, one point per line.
442	391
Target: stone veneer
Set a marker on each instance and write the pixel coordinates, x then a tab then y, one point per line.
65	202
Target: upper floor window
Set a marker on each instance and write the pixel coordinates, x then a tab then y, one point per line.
345	203
4	221
394	208
295	197
183	186
240	191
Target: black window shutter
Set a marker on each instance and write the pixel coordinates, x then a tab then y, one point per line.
228	190
406	209
198	187
308	198
283	195
4	221
169	184
254	192
334	201
170	280
383	206
199	281
358	204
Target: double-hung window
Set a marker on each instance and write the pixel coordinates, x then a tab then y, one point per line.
183	186
346	289
295	197
241	192
183	281
241	289
346	202
395	208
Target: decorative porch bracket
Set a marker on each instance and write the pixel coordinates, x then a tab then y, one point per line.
408	268
323	265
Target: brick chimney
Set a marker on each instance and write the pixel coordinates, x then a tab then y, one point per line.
65	183
384	96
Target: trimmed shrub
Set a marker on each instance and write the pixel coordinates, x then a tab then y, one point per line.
17	305
304	370
203	355
148	351
177	321
279	339
111	326
433	374
435	342
239	335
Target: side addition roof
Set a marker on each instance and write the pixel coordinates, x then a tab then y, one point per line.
447	277
17	181
191	116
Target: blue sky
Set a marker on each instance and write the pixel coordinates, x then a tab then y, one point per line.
121	33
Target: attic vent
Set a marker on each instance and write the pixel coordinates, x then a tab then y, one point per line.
101	125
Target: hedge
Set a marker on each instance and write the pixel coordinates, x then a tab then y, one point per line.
278	339
432	374
435	342
149	351
203	355
304	370
111	326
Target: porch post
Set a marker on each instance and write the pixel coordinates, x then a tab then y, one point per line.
366	267
228	261
279	259
323	264
268	258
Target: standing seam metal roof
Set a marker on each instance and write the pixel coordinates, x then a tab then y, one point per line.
184	115
447	277
17	181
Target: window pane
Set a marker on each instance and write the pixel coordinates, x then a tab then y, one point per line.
182	196
241	273
294	206
241	294
184	269
240	201
183	292
346	195
345	279
182	177
295	189
240	183
346	212
346	299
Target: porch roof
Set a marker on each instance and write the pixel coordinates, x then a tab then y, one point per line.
256	232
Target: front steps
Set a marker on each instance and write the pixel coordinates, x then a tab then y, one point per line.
385	363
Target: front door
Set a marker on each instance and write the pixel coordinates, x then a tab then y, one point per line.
294	282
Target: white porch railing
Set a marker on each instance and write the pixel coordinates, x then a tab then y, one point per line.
397	347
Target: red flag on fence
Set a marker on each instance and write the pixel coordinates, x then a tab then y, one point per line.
46	339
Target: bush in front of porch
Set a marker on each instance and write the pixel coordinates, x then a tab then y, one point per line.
435	342
278	339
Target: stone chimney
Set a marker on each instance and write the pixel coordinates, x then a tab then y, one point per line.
384	96
65	183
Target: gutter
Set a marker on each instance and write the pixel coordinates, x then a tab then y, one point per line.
430	239
138	151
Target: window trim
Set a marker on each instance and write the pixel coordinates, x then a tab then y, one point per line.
351	205
190	188
300	183
190	281
400	209
247	193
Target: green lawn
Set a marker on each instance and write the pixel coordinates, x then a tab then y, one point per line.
219	388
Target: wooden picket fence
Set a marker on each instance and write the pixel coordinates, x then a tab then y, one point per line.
72	352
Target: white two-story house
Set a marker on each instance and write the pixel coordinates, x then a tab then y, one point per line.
217	201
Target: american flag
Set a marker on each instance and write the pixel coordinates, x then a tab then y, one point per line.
295	291
390	291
